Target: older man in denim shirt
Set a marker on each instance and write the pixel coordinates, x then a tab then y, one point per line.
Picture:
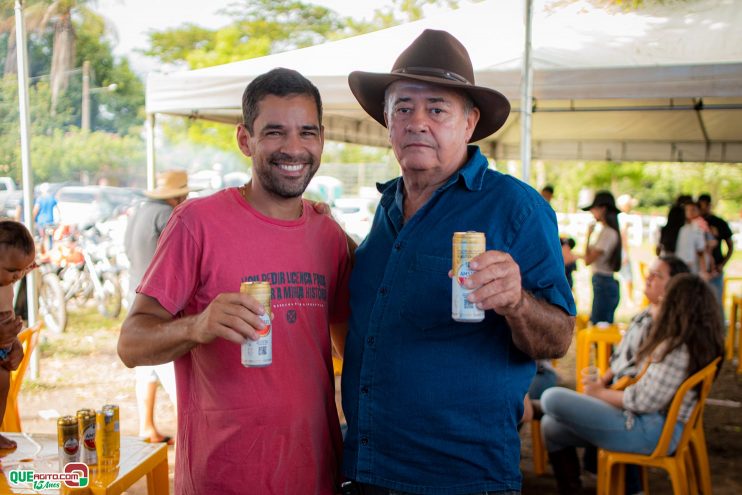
432	404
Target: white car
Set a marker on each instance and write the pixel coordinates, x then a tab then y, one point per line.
355	215
86	205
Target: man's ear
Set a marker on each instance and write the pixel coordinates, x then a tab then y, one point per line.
243	139
471	122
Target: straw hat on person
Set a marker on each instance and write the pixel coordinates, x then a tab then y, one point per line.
171	184
438	58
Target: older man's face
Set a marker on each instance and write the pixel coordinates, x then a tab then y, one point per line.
429	128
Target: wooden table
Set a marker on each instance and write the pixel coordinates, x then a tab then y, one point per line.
38	452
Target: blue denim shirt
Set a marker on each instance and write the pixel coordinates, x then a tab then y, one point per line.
432	404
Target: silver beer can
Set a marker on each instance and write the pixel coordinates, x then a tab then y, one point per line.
259	353
466	246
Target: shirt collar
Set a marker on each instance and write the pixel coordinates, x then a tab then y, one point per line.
471	174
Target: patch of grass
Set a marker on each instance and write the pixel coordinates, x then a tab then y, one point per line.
38	386
87	332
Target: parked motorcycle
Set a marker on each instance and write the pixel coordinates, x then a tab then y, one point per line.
52	305
85	271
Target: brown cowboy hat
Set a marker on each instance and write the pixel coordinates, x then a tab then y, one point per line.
171	184
438	58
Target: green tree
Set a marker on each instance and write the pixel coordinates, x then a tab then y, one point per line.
65	155
33	15
259	28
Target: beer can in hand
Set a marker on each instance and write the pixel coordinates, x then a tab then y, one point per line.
466	246
259	353
86	427
68	443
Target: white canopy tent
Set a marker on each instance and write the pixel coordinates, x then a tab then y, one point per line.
662	85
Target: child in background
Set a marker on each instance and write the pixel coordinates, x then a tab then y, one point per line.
17	258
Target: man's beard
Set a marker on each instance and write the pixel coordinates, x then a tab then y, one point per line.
269	177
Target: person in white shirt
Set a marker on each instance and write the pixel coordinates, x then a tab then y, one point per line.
604	257
691	245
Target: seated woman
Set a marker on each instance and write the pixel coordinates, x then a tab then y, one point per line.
685	338
623	360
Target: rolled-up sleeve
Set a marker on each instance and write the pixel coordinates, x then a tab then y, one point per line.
656	389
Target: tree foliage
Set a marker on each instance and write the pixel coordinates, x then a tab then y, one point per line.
59	150
264	27
655	185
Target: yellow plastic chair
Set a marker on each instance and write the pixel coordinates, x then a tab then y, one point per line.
684	474
538	448
735	317
604	338
29	339
725	290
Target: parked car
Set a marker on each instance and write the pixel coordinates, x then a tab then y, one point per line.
355	215
87	205
10	196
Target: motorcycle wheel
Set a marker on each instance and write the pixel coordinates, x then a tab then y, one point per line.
52	306
109	302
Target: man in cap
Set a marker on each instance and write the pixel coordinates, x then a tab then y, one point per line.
432	404
143	230
271	429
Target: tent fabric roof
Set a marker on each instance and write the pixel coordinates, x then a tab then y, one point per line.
658	84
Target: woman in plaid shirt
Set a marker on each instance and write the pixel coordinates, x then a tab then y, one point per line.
684	339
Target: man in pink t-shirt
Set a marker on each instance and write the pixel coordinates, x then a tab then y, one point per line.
241	429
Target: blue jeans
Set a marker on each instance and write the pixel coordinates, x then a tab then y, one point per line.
605	298
717	284
544	378
577	420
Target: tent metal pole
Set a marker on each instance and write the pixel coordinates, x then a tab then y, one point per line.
25	130
150	131
526	107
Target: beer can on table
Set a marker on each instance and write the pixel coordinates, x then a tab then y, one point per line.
259	353
86	427
466	246
107	437
68	443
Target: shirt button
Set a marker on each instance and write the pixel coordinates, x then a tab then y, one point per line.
364	441
398	246
370	340
364	390
383	291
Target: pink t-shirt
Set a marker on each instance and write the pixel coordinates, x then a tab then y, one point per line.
271	430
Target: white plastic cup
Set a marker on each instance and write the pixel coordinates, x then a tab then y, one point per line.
590	374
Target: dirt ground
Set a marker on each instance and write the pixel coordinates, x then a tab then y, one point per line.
81	369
